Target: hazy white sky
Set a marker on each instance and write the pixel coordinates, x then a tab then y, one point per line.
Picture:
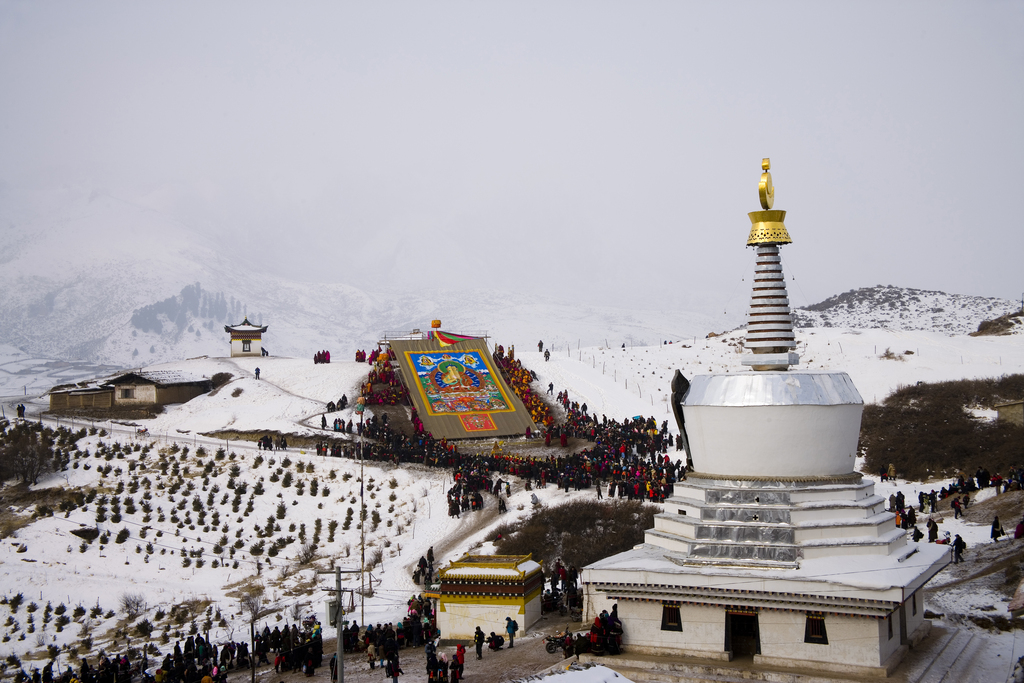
603	150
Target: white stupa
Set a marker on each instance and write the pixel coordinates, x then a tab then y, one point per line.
774	548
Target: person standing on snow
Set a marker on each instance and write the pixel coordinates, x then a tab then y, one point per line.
257	373
510	628
478	639
958	549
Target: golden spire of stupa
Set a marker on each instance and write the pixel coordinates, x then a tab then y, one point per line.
769	320
767	227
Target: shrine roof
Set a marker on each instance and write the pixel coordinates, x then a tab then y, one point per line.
245	326
496	566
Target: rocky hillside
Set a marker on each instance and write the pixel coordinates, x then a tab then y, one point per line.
901	308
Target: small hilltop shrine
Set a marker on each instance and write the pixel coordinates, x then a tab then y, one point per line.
246	338
456	385
774	548
481	590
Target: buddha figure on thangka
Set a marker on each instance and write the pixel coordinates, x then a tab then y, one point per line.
457	382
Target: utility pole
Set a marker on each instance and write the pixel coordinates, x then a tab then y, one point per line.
360	407
339	623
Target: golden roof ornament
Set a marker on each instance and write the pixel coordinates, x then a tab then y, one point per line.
767	226
764	188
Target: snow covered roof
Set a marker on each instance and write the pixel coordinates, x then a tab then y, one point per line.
245	326
161	377
889	578
491	566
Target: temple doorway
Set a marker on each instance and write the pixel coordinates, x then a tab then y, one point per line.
742	636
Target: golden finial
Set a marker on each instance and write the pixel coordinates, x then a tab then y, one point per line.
764	188
767	225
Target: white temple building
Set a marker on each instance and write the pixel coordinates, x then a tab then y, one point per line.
246	338
773	548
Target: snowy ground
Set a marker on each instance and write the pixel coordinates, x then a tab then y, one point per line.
47	564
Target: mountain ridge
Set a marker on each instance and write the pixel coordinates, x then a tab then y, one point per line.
903	308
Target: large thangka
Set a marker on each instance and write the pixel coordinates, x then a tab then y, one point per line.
457	382
455	387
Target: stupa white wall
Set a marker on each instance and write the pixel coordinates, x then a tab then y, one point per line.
773	424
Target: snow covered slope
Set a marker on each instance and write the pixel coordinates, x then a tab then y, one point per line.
900	308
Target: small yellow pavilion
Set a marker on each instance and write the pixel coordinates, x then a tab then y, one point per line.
481	590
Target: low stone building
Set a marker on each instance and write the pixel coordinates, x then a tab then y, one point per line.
481	590
77	398
156	387
1012	412
141	388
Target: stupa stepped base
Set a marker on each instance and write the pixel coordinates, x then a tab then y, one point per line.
775	521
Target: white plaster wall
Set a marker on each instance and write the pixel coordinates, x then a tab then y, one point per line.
460	620
145	394
914	621
852	641
889	645
254	348
703	633
773	441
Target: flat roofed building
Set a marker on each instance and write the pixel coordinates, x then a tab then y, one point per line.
481	590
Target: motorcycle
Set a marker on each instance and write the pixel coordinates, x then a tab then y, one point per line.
554	644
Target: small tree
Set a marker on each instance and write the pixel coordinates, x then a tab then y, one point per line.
253	604
133	604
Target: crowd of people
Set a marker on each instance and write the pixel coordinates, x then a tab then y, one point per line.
382	386
197	660
267	443
519	379
321	357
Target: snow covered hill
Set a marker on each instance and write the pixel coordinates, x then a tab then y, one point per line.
901	308
189	534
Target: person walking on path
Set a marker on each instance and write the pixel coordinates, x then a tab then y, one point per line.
392	668
478	639
510	628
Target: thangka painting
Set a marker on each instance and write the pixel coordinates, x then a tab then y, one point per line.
453	382
477	422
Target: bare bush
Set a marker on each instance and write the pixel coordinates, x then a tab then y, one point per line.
306	554
253	603
926	430
133	604
579	532
375	557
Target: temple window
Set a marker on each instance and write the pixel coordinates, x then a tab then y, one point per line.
670	620
814	629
